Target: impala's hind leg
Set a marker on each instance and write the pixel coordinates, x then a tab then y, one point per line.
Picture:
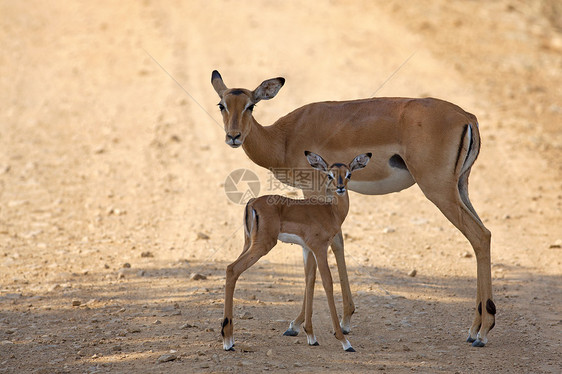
249	256
456	206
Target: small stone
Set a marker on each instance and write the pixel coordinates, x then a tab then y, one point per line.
388	230
76	303
466	254
126	265
6	342
556	244
412	273
269	353
246	315
116	348
203	236
167	358
197	276
186	326
157	322
147	254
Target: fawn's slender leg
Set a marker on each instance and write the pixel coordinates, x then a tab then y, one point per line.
310	265
324	269
245	260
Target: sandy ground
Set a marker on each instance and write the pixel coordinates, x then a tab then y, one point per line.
112	172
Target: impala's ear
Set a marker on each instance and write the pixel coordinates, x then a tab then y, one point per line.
360	161
316	161
218	84
268	89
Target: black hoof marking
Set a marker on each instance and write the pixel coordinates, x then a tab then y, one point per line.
478	343
290	333
491	307
493	324
345	332
231	349
350	349
480	308
315	344
470	339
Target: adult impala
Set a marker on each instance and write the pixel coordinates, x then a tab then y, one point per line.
309	223
428	141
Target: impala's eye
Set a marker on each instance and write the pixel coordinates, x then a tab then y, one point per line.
251	107
348	175
221	107
330	177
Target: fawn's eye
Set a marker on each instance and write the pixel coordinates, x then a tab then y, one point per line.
221	107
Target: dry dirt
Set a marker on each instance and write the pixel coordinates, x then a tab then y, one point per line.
112	170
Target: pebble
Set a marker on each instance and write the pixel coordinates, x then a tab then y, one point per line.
412	273
186	326
466	254
388	230
246	315
197	276
76	303
556	244
147	254
126	265
269	353
167	358
203	236
6	342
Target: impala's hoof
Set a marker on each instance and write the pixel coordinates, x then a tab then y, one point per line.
315	344
231	349
350	349
470	339
344	331
478	343
290	332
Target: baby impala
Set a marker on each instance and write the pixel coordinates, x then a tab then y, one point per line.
309	223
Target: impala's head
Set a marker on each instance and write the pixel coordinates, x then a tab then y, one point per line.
338	174
237	104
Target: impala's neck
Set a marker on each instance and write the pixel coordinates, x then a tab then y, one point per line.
265	145
340	204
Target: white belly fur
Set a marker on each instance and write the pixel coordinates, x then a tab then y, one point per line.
397	181
291	238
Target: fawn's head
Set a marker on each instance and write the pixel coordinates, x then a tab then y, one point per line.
338	174
237	105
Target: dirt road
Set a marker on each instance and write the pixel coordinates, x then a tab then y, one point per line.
113	164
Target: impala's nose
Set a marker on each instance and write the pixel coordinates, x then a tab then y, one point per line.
340	191
233	140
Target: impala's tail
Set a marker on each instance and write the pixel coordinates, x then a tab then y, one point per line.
250	219
469	148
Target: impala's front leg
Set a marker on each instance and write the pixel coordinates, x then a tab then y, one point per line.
310	265
348	306
327	282
309	270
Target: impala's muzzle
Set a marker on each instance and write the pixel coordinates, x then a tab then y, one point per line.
340	190
234	140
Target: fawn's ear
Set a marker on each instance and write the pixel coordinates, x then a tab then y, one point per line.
268	89
360	161
218	84
316	161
